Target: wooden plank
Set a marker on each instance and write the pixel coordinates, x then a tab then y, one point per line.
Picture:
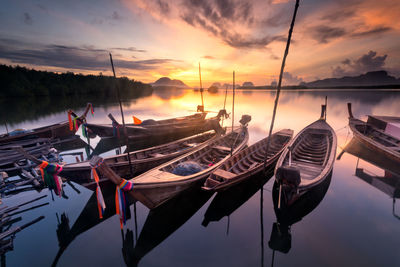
222	148
224	174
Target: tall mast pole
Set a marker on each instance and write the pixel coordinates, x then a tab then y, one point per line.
278	89
122	115
201	89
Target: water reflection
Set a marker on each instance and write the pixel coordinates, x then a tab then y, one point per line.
286	216
227	202
159	239
164	220
87	219
388	182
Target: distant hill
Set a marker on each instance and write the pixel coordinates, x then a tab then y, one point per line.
373	78
166	82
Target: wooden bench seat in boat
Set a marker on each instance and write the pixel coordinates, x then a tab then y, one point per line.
225	175
155	155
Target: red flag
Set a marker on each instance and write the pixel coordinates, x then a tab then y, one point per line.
136	120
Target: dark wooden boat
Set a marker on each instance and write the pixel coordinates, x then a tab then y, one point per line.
58	130
381	133
153	128
248	162
141	160
307	160
156	186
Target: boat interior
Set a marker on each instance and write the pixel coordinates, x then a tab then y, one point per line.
249	158
379	136
211	154
310	152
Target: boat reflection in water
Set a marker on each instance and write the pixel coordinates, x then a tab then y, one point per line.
228	201
389	182
88	219
162	221
281	238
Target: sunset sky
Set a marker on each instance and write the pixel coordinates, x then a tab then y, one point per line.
155	38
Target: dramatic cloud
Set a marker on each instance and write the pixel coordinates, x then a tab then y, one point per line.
164	7
323	34
130	49
338	15
373	31
70	57
28	19
219	18
363	64
290	79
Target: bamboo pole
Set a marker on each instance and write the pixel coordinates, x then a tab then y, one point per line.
122	115
278	89
201	89
233	107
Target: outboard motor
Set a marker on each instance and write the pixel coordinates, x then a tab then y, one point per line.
289	176
244	121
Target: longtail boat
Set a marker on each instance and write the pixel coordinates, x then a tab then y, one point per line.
307	161
59	130
248	162
149	128
381	133
141	160
157	185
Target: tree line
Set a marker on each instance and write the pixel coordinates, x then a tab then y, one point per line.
19	81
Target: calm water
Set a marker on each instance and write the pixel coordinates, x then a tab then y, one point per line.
353	225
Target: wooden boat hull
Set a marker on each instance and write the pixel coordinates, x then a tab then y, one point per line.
186	124
307	161
374	138
248	162
370	143
152	194
58	130
141	160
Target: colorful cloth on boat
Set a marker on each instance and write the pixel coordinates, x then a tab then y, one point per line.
121	201
50	176
126	185
120	206
136	120
84	131
116	127
101	205
92	109
71	126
